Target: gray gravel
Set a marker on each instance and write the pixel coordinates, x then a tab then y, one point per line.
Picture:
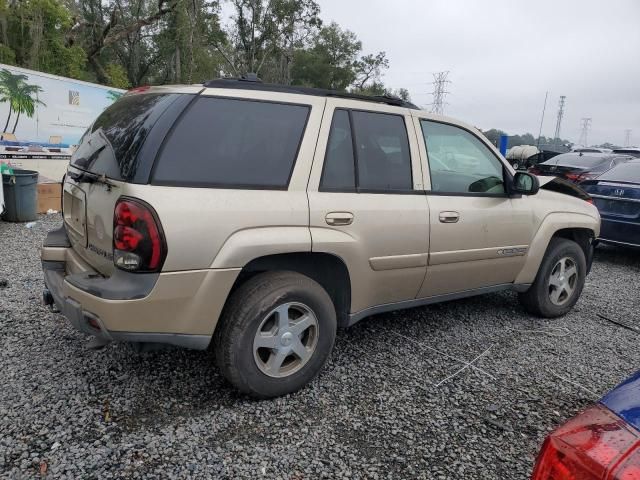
384	406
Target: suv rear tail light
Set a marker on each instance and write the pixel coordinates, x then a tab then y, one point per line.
596	444
138	240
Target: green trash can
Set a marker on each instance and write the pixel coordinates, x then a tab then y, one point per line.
20	195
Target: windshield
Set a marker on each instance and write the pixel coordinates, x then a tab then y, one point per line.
112	143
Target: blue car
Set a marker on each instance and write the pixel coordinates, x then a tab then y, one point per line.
616	193
602	442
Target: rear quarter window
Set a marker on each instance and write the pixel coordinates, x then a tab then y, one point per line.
111	145
232	143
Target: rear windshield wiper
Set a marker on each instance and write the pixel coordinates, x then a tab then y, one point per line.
90	177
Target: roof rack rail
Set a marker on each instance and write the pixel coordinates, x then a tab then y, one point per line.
250	81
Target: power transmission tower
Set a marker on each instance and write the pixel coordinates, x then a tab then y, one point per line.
627	137
556	136
440	82
585	125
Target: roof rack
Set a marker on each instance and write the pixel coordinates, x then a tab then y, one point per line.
251	81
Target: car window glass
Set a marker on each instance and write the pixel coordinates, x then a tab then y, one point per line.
339	168
459	162
111	145
383	157
233	143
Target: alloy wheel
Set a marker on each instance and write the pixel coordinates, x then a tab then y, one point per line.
285	340
563	281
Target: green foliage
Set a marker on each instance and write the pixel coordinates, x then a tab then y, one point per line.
127	43
7	55
493	135
331	60
117	75
35	34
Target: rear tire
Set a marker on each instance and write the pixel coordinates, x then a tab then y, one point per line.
275	335
559	281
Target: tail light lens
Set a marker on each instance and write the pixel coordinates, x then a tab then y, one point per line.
534	170
573	177
596	444
138	240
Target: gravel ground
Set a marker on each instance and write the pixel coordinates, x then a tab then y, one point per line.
392	402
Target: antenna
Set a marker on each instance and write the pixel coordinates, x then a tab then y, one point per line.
585	125
556	137
627	137
544	107
440	82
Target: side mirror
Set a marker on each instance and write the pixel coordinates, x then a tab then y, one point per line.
525	183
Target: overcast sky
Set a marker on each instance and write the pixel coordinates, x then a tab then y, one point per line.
503	55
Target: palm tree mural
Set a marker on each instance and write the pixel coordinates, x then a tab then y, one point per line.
20	95
25	102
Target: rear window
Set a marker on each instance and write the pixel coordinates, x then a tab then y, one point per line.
578	160
111	145
625	172
232	143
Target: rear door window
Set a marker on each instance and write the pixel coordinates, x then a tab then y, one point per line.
112	143
382	157
233	143
339	165
382	150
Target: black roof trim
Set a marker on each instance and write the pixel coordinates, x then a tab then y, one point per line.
253	84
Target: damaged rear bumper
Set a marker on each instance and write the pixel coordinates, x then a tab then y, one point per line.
176	308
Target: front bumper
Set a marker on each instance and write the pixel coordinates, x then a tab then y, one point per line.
177	308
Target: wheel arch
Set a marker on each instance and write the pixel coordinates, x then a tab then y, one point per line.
329	270
579	228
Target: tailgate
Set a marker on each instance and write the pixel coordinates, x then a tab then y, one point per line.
88	216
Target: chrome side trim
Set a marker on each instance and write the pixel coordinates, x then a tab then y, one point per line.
622	199
475	254
419	302
617	242
394	262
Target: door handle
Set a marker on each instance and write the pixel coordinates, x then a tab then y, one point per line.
339	218
449	217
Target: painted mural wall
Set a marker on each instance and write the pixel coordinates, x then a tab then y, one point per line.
47	112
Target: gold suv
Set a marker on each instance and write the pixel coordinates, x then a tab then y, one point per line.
257	219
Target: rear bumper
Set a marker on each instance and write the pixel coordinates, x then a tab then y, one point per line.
177	308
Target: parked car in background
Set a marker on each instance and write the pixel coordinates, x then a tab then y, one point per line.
616	193
633	151
259	218
579	166
602	442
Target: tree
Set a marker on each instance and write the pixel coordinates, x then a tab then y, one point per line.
24	101
101	28
369	68
331	60
265	35
9	88
185	44
32	35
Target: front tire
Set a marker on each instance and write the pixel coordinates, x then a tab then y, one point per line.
559	281
275	334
